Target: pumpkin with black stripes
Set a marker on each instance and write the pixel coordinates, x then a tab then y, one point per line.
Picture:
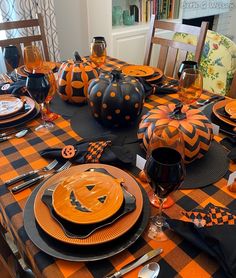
74	78
115	99
195	127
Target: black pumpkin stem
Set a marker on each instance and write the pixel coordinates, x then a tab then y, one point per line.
177	114
116	75
77	57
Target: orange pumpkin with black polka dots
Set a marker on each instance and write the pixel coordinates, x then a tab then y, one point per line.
115	99
74	78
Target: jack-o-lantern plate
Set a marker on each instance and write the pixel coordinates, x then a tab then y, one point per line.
138	71
220	104
106	234
87	197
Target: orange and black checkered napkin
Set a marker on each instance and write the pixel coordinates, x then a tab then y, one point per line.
215	235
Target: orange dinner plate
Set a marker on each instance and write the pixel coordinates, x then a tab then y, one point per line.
230	108
9	105
106	234
137	71
87	197
221	104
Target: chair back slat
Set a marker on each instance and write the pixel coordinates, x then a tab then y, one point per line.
169	65
25	40
171	61
162	57
232	92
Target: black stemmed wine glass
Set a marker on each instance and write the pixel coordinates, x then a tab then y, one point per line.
38	87
165	170
12	57
187	65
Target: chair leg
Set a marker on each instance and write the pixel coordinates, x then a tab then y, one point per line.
11	267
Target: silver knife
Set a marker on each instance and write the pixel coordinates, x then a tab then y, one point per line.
135	264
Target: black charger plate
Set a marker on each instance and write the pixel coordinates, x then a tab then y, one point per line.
80	253
21	121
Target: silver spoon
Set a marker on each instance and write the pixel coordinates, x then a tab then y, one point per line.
17	135
150	270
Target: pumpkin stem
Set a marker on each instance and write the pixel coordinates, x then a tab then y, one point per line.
177	114
77	57
116	75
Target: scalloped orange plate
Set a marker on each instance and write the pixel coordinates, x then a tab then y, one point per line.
87	197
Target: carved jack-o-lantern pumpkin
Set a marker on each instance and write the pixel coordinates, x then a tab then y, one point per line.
195	127
88	197
74	78
116	99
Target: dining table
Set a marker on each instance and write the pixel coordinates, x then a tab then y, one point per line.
179	258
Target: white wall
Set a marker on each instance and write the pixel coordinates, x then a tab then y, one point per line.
72	27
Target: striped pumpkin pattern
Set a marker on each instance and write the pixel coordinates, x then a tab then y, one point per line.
74	79
196	129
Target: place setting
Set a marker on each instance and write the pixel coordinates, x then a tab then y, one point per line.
15	111
74	211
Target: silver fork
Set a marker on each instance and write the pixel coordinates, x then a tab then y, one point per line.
49	167
31	182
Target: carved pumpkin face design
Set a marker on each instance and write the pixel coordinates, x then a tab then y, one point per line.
87	197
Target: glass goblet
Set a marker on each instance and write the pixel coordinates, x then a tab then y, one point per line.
190	85
38	87
12	57
165	170
32	58
187	65
98	51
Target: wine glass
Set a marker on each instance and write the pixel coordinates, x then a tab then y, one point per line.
164	169
98	51
187	65
190	85
38	87
12	57
32	58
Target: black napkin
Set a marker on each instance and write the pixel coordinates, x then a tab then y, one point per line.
17	88
106	150
212	230
230	144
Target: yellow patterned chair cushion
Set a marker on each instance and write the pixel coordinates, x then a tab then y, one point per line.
218	62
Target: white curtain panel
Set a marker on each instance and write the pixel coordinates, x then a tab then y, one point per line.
27	9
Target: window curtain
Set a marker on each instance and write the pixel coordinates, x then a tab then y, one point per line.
28	9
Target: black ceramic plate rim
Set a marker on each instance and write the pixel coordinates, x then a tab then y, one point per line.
21	121
48	244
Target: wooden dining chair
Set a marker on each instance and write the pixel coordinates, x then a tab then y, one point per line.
35	28
232	92
172	53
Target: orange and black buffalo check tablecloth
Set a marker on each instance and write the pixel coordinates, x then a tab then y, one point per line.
179	259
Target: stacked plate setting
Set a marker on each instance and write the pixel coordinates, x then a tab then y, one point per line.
150	74
15	111
86	206
225	112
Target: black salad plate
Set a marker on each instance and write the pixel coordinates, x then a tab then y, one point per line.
80	253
